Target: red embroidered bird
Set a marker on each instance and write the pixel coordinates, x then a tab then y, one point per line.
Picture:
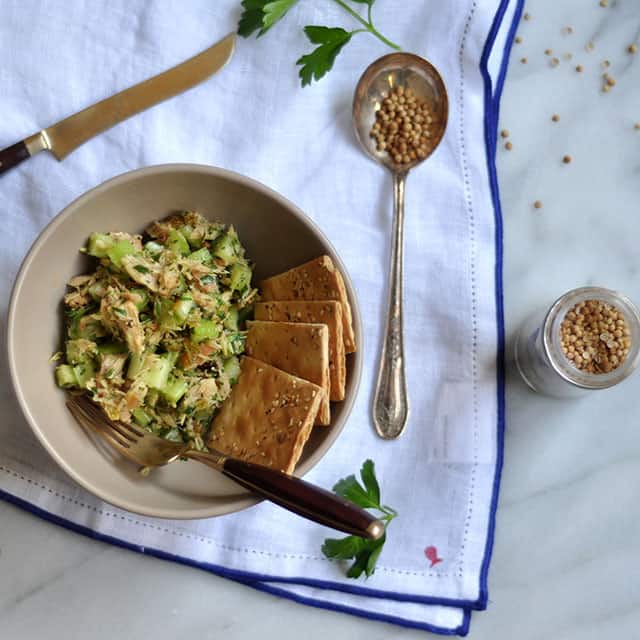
431	554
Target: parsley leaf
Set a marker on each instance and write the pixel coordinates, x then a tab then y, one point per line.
316	64
261	15
251	18
363	552
274	11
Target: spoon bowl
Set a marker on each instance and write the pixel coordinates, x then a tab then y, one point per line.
411	72
406	70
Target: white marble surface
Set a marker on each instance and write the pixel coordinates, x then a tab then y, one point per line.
566	553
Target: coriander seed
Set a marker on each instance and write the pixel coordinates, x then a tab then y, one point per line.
504	133
632	48
555	117
537	204
579	68
508	146
566	159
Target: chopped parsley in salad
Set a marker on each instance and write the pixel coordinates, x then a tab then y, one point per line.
153	335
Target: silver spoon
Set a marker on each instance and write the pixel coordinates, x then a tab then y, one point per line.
390	405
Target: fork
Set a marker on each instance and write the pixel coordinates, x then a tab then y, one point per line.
292	493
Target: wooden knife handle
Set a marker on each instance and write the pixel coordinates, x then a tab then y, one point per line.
304	498
13	155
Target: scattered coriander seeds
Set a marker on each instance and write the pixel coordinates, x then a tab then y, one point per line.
579	68
566	159
555	117
537	204
504	133
548	52
606	64
590	46
527	16
518	39
595	337
632	48
636	126
508	146
555	62
402	128
604	3
523	60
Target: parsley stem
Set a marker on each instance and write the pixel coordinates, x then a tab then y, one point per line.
367	25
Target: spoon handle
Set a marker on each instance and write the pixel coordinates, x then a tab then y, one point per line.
390	403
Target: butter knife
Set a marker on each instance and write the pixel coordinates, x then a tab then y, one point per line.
65	136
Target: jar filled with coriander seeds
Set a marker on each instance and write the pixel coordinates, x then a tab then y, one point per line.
588	340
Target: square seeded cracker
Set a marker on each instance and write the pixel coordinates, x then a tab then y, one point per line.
267	418
299	349
328	312
315	280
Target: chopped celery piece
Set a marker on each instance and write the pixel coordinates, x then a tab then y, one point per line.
235	343
178	243
141	417
152	397
202	255
205	330
173	390
66	376
225	248
163	311
172	357
99	244
135	365
84	373
157	369
231	320
231	367
172	434
89	327
182	308
119	250
240	277
193	238
153	248
79	350
140	298
112	348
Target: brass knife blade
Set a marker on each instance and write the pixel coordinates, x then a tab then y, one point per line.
65	136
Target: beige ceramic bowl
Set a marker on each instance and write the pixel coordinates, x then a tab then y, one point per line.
277	236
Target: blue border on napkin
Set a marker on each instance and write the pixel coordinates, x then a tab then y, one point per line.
266	583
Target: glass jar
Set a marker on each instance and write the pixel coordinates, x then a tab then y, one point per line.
542	362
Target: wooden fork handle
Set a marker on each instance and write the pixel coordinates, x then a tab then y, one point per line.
301	497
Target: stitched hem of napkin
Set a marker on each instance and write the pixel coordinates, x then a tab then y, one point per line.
492	114
237	576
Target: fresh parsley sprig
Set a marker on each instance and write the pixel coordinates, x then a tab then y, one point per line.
261	15
362	551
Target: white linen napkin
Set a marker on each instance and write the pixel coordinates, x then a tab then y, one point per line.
442	476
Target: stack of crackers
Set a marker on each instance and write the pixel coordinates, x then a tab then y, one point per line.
294	368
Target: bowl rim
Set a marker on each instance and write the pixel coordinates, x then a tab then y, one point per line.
68	211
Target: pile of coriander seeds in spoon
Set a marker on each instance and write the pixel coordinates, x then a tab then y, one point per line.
403	126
